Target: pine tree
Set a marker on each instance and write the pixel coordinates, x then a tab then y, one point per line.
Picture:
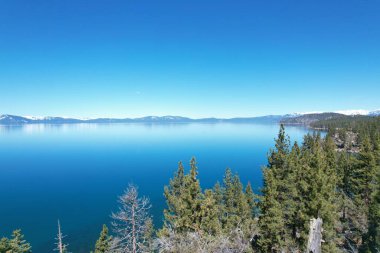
242	203
277	157
293	204
172	195
210	222
376	147
17	244
322	197
236	206
103	244
345	168
353	216
191	198
364	173
183	198
228	196
374	219
4	245
271	223
218	193
277	196
371	240
251	199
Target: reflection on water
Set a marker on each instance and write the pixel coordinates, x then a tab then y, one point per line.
38	128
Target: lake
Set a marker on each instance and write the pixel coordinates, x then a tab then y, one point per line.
75	172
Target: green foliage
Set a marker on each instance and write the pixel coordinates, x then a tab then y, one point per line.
183	198
363	125
103	244
210	222
16	244
4	245
251	200
322	180
214	212
364	173
299	184
277	157
271	222
235	204
371	240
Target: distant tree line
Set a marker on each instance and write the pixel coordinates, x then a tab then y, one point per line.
301	182
363	125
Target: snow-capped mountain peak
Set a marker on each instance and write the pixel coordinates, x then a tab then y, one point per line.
344	112
353	112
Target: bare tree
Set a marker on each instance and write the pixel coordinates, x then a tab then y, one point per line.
194	242
130	221
61	247
315	236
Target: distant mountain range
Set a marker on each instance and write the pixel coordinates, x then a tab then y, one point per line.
17	120
295	118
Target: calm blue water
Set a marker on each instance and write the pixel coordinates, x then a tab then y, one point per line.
75	172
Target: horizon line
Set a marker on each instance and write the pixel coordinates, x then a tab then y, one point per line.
344	112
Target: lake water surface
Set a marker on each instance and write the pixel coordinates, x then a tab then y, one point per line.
75	172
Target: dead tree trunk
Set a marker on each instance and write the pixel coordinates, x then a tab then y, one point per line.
61	247
314	243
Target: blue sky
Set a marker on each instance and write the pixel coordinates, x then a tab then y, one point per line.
197	58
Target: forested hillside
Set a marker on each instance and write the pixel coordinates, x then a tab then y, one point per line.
334	121
302	181
310	118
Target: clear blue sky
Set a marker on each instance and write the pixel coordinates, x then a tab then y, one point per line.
191	58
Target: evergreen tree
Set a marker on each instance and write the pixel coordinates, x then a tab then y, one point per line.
322	199
172	195
242	203
251	199
4	245
277	157
278	195
371	240
228	197
191	198
364	173
345	173
210	222
17	244
376	147
103	244
293	205
271	222
183	198
236	206
218	194
353	216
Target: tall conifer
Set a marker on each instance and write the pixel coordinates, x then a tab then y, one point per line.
103	244
271	222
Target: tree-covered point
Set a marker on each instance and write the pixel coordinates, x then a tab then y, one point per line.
364	125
